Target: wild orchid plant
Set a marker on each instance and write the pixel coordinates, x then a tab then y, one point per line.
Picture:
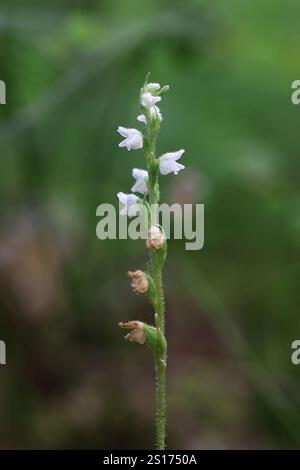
150	280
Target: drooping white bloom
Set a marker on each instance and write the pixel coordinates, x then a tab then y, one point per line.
152	87
129	203
168	163
141	177
133	139
148	100
154	111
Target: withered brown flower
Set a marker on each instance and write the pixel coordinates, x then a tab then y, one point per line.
156	238
139	282
138	331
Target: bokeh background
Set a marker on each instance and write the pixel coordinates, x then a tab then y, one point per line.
73	70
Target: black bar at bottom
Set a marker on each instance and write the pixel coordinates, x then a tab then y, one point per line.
90	459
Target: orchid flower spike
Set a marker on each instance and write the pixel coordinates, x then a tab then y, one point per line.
141	177
130	204
133	139
168	163
145	205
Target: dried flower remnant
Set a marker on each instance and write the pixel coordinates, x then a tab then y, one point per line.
139	282
156	238
138	331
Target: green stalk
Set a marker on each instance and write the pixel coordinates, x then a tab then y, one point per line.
156	263
160	402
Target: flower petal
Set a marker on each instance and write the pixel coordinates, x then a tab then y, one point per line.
142	118
138	173
123	131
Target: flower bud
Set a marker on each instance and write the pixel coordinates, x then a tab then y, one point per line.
138	331
139	282
156	238
152	87
163	90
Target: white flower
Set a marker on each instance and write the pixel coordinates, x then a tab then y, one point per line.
142	118
148	100
168	164
154	111
152	87
133	138
130	204
141	176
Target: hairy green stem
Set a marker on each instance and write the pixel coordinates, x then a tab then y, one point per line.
160	302
160	364
156	261
160	402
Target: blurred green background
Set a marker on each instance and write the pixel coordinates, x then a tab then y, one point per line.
73	70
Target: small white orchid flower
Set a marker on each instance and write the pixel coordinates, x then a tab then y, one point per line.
141	177
152	87
142	118
148	100
168	163
133	139
154	111
130	204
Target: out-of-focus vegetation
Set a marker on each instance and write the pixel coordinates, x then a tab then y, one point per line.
73	71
